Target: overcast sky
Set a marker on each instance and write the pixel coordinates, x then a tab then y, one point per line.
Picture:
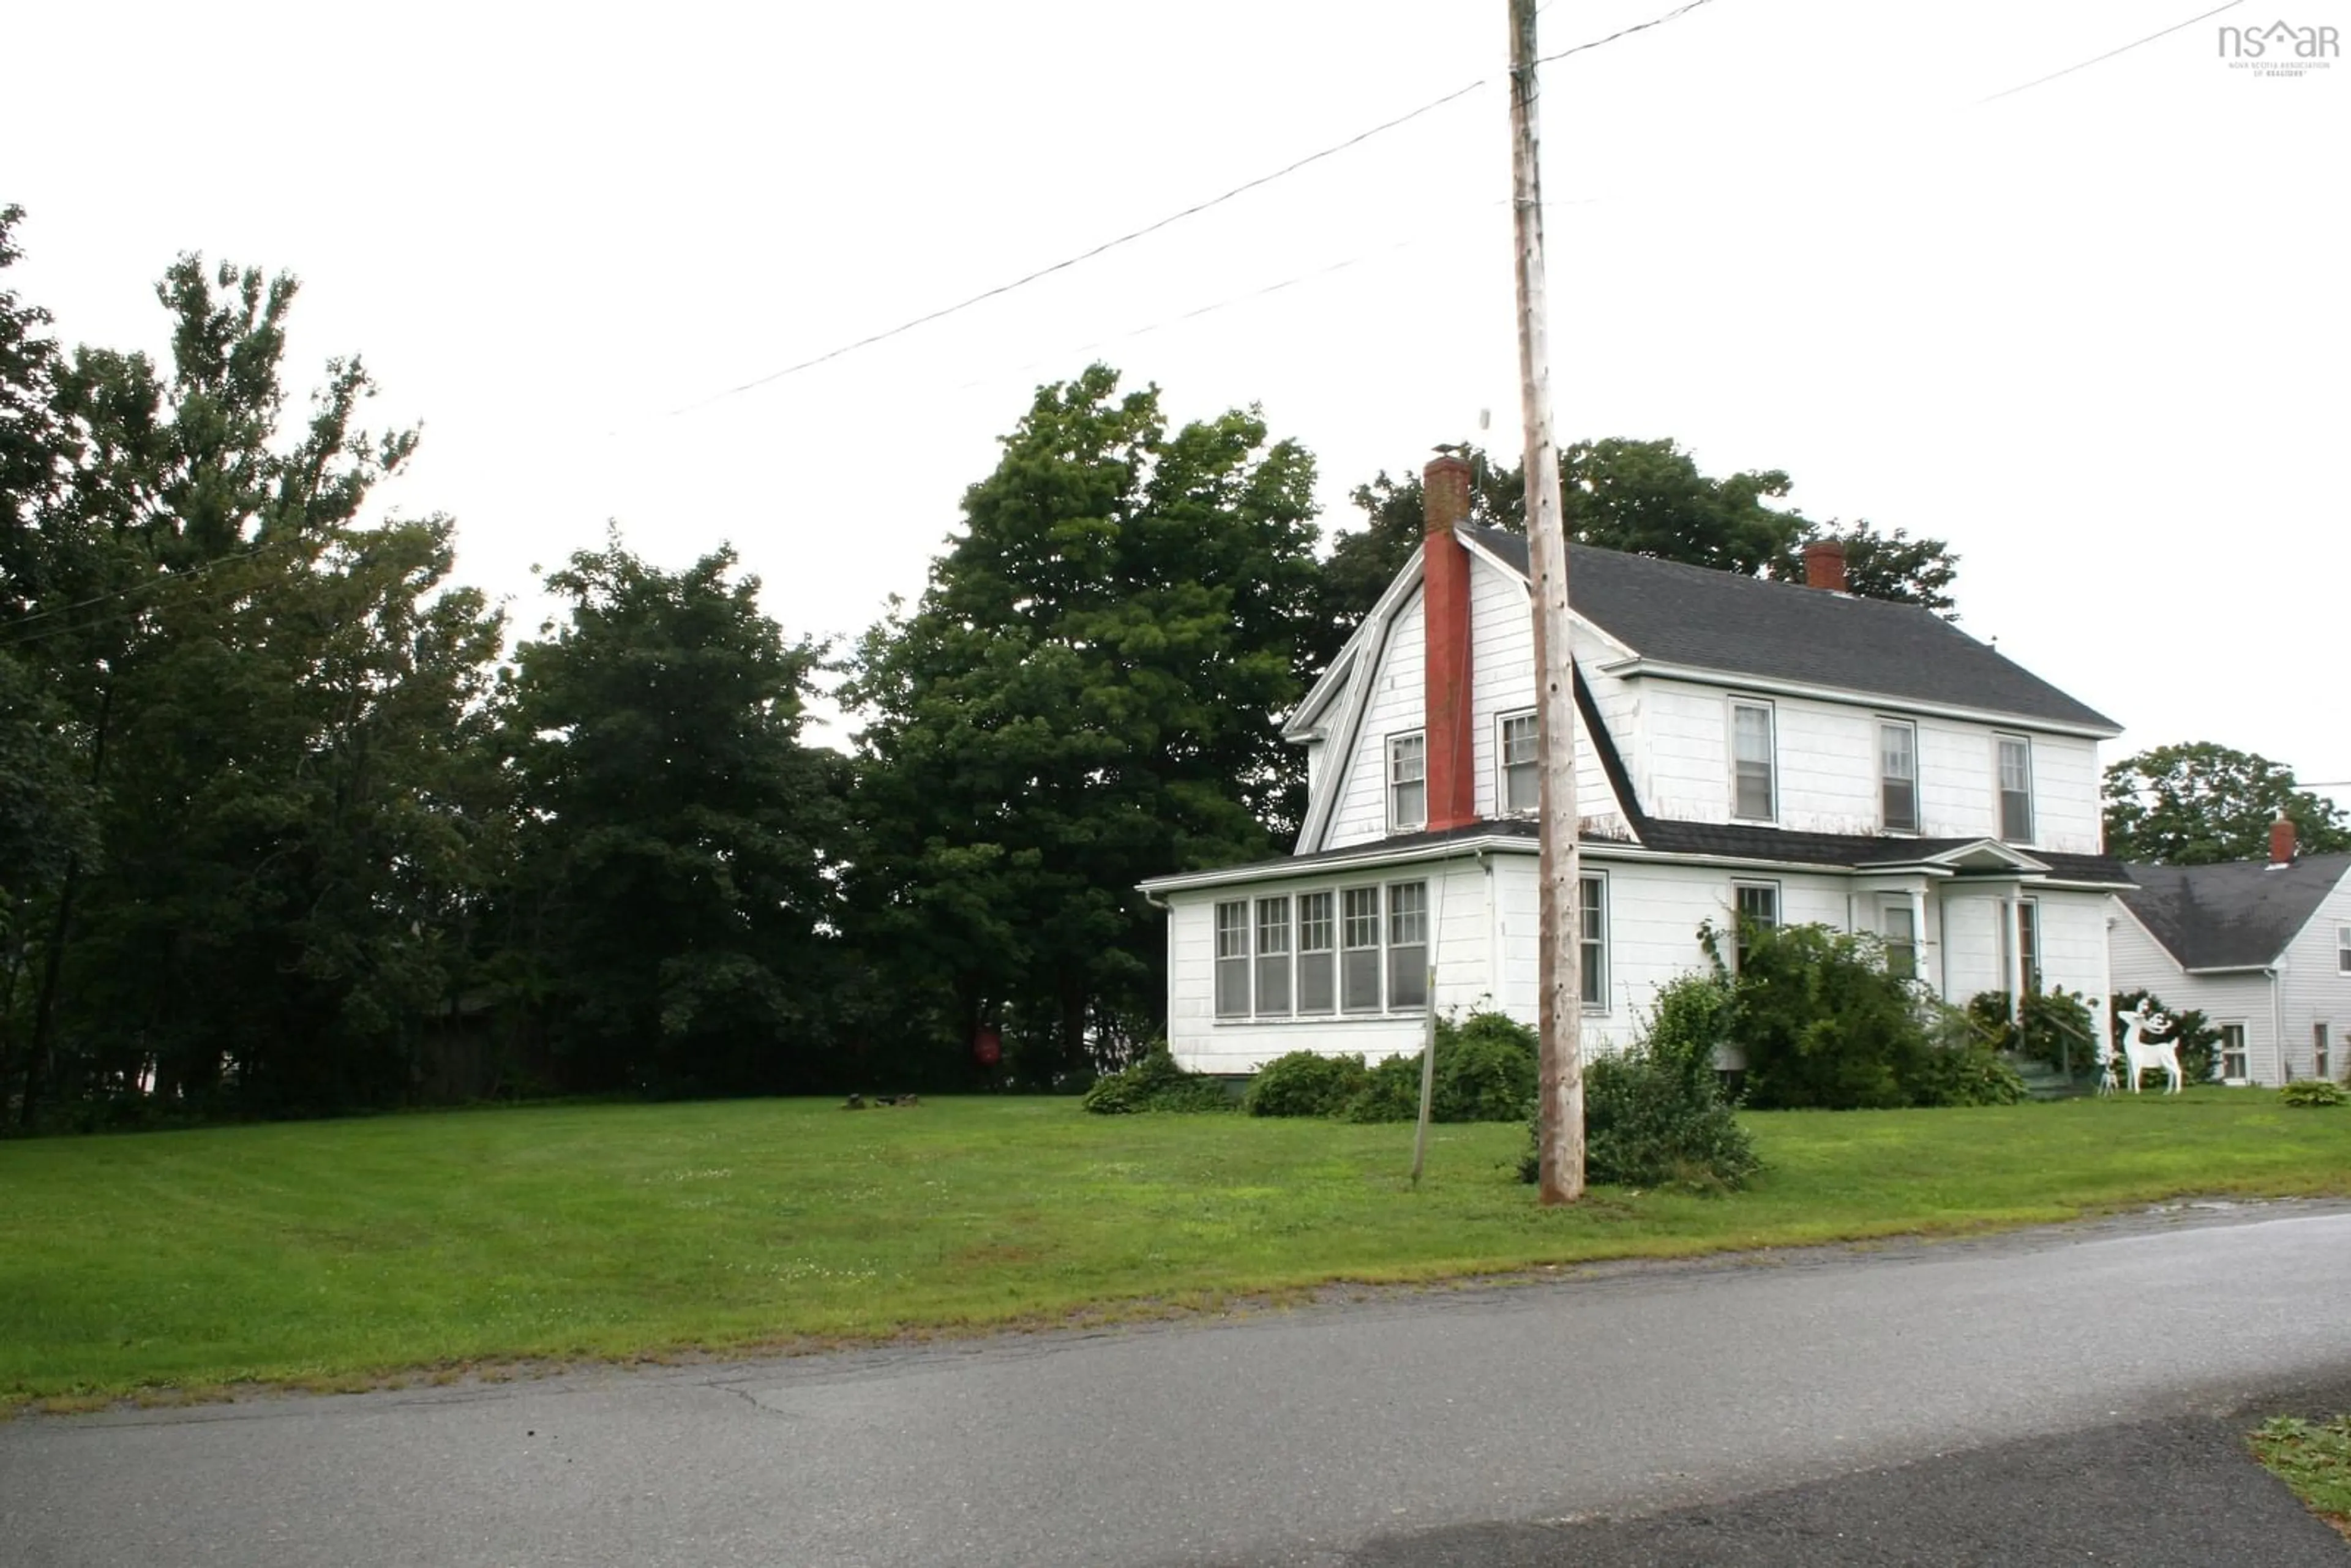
2093	333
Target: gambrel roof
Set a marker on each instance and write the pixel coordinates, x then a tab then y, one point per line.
1722	623
2239	915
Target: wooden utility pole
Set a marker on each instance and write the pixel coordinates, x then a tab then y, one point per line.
1559	1091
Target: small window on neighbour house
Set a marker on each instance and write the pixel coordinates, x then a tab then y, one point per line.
2343	949
1317	942
1272	956
1408	944
1900	925
1522	779
2235	1066
1595	936
1407	783
1757	904
1359	954
1753	784
1897	777
2016	789
1232	960
2320	1065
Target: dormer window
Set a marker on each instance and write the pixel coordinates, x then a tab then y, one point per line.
1522	778
1753	788
1897	775
2016	789
1407	782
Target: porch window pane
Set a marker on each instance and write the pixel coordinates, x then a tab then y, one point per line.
1408	944
1316	941
1232	959
1595	936
1272	956
1359	952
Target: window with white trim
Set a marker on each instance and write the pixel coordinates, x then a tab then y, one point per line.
2320	1066
1272	956
2343	949
1317	954
1897	922
1753	903
1753	787
1359	954
1518	789
2235	1065
2028	936
2015	788
1595	936
1407	782
1408	945
1233	959
1897	775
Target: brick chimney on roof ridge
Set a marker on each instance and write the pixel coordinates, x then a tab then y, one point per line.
2282	842
1445	620
1824	564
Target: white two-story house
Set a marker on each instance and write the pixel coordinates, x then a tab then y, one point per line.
1782	752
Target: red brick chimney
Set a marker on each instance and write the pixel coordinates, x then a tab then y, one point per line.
1824	564
1445	616
2282	840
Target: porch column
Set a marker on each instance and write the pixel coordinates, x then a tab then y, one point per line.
2012	913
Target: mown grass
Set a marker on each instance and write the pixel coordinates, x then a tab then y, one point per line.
332	1253
2314	1458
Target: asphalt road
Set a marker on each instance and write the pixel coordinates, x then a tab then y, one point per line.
2060	1396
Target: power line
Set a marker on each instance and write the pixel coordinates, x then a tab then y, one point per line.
2110	54
14	635
1151	228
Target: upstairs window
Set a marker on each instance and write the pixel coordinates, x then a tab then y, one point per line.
1752	790
1408	944
1233	959
1407	783
1522	779
2016	789
1897	775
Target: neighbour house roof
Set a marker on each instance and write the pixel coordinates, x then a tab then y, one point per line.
1738	625
2239	915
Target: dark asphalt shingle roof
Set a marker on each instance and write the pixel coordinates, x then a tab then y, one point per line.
2237	914
1746	626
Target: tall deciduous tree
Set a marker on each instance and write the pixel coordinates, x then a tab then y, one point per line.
2198	803
675	888
1646	497
1085	696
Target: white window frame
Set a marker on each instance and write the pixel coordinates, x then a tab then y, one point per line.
1221	955
1414	975
2343	949
2322	1048
2028	925
1283	962
1999	791
2242	1052
1418	740
1593	948
1377	949
1246	946
1885	819
1738	915
1503	765
1888	905
1328	927
1770	761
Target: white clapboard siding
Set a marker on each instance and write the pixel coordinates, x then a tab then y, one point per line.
2067	815
2313	989
1395	707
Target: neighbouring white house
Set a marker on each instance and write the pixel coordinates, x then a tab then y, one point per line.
1789	753
2261	949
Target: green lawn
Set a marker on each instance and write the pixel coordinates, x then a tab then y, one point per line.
2313	1458
329	1253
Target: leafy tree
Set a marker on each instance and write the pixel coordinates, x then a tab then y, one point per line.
674	881
2199	803
1084	696
1646	497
